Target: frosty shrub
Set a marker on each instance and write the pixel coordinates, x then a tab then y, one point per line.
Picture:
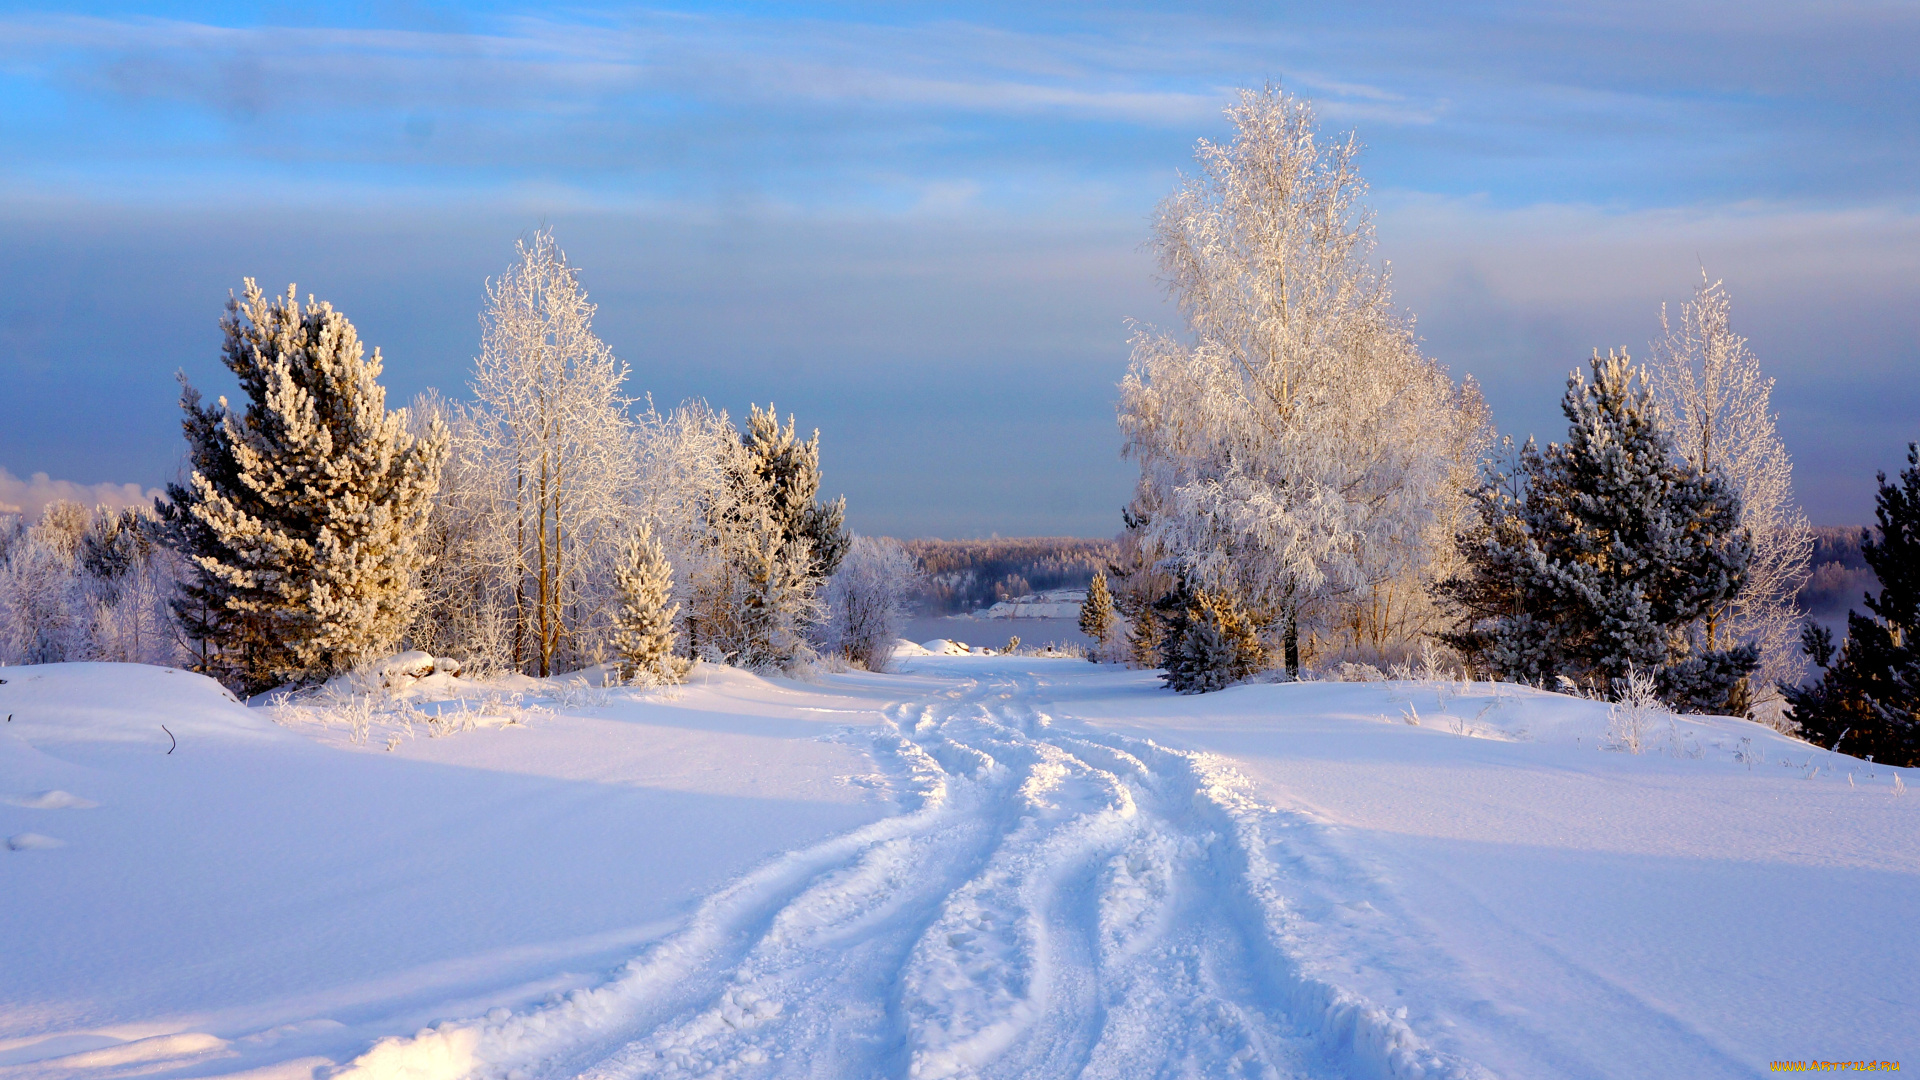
1713	397
1210	645
302	518
867	600
1298	451
1637	710
1604	554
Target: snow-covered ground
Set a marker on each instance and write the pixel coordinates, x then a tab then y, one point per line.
979	866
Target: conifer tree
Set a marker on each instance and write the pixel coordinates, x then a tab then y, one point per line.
302	516
1604	554
643	626
1868	700
1096	614
789	475
1210	644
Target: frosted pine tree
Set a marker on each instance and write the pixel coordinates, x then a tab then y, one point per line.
789	471
643	627
1096	615
1604	555
302	517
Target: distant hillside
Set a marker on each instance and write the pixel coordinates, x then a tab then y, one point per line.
1840	575
966	575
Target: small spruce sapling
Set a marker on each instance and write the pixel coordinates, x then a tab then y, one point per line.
1096	616
644	626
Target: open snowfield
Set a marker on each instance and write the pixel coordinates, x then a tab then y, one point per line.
978	866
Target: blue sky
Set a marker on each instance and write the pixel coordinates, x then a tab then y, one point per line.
920	227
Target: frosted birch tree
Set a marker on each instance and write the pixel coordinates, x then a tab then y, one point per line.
1298	453
1713	397
552	438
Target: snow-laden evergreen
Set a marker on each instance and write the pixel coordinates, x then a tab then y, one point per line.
303	517
1605	554
1096	616
769	546
643	633
1209	644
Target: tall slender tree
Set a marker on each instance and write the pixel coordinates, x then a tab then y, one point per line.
302	515
1713	396
553	431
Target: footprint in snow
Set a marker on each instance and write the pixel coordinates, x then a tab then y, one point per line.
52	800
32	841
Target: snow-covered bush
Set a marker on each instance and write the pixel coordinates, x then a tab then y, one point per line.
867	600
303	514
1210	645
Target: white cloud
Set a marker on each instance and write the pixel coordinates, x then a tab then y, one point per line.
31	496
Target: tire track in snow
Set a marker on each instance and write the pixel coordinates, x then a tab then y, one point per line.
1051	904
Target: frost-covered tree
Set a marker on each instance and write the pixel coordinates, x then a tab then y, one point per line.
867	600
1717	402
302	517
1298	453
1867	700
1210	644
644	625
1096	615
43	608
549	452
1605	554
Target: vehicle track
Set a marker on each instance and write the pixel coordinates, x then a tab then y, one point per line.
1051	903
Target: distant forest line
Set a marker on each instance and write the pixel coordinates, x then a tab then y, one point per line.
967	575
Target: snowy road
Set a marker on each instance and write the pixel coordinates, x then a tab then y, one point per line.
1052	902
